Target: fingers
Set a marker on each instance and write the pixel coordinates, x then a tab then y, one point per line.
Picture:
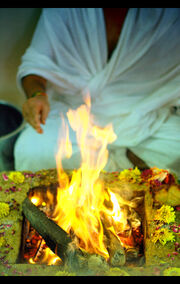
36	122
35	112
44	113
33	119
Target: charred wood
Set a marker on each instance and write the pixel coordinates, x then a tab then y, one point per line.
55	237
116	251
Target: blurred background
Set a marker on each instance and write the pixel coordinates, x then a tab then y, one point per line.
16	29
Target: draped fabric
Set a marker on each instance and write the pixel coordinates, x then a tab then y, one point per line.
134	90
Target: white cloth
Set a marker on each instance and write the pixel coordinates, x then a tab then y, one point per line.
134	90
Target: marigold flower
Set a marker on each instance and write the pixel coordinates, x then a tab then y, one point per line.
131	175
165	214
2	241
4	209
163	235
16	177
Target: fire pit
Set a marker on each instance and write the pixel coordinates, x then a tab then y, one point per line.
88	221
99	221
124	248
18	257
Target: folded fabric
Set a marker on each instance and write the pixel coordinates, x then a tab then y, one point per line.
134	90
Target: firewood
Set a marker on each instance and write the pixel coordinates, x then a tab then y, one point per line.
55	237
80	260
26	226
75	259
116	251
39	249
132	253
58	240
97	263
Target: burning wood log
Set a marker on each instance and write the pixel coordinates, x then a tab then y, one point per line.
132	253
55	237
116	251
78	259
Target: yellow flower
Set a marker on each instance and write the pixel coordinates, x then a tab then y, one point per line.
4	209
16	177
2	241
166	214
131	175
163	235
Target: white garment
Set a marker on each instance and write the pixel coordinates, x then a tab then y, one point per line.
134	90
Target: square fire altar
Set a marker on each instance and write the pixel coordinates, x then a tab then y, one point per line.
133	230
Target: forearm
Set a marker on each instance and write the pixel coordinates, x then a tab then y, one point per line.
33	83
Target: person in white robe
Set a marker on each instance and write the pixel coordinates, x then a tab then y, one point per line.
137	89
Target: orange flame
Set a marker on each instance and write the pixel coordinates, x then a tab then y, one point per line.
84	207
81	199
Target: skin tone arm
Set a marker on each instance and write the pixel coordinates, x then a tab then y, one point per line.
35	109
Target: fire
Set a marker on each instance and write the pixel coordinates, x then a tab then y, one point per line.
81	208
35	200
50	257
84	207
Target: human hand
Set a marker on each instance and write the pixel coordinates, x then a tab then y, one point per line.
35	111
